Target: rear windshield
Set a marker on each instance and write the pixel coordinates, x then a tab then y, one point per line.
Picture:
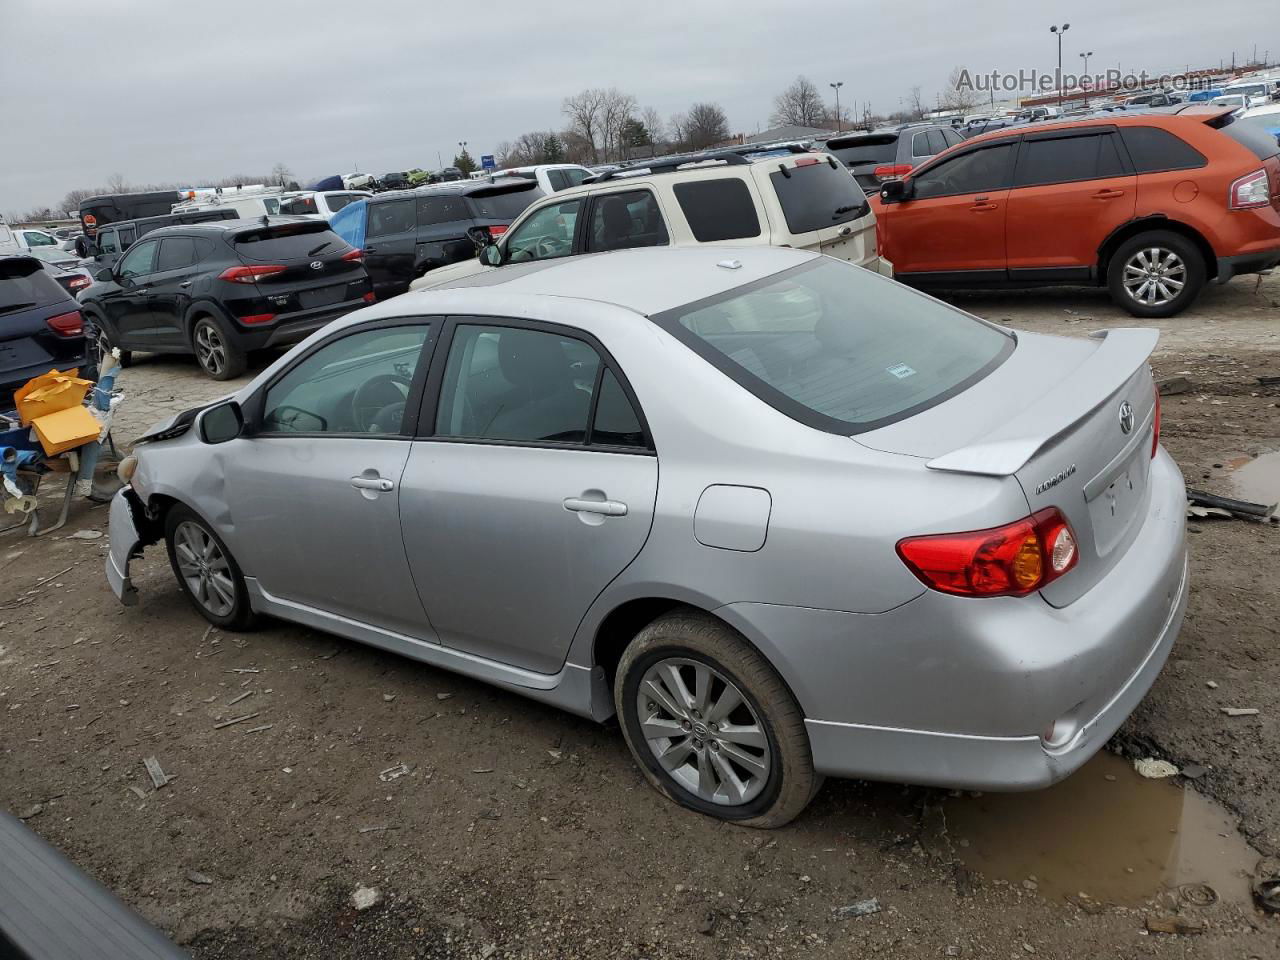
882	148
337	201
24	283
298	206
504	205
293	241
818	195
838	348
1261	134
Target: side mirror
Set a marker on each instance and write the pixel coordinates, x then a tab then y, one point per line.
222	423
895	191
491	255
104	275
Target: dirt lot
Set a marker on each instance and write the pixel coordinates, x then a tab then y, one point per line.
523	832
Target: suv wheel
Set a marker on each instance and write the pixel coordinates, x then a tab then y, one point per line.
712	725
215	351
1156	274
206	571
102	345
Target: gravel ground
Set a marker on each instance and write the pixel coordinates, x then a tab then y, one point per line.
519	831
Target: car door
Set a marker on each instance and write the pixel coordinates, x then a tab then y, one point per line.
314	488
953	219
545	233
390	236
170	292
128	304
531	488
1071	189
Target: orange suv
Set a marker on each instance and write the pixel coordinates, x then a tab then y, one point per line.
1151	205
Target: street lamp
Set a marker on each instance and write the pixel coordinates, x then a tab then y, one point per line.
1060	31
836	87
1085	57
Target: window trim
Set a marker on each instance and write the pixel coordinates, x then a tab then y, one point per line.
430	405
595	198
255	406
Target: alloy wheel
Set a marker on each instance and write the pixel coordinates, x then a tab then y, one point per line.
703	732
204	568
1154	276
210	350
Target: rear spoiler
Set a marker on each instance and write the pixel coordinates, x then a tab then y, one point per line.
1007	449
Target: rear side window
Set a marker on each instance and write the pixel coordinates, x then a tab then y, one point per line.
391	217
1064	159
881	148
817	195
175	253
504	205
1153	150
441	210
299	206
718	209
836	349
336	201
575	175
24	283
987	168
292	242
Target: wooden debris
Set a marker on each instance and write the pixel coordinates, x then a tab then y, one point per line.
158	777
234	720
232	702
1174	925
1241	711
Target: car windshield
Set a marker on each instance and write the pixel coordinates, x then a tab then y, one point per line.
838	348
880	148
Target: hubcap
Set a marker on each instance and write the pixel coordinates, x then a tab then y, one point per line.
703	732
1154	276
204	568
210	350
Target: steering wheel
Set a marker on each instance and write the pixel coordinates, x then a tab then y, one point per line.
378	404
550	247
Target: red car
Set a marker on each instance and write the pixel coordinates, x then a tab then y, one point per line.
1150	205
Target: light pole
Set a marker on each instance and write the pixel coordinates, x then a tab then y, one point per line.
1085	57
1060	31
836	87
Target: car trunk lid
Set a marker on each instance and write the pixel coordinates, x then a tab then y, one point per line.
1054	417
316	272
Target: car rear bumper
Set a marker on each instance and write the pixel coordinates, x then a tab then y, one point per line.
293	327
956	692
1255	262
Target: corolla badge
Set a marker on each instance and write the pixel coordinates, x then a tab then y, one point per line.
1056	479
318	265
1126	417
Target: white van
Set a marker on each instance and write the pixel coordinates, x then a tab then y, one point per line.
551	177
248	202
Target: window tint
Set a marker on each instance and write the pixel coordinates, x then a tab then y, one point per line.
441	210
616	423
358	384
557	179
951	137
140	260
718	209
575	175
24	283
508	383
176	253
1064	159
127	236
282	242
920	145
1153	149
832	347
391	217
546	234
937	142
818	195
1110	163
620	221
504	205
107	241
983	169
880	148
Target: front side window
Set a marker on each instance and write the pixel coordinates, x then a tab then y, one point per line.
986	168
358	384
140	260
575	175
720	209
391	218
336	201
621	221
837	349
546	234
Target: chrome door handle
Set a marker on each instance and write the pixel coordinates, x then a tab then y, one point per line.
185	283
373	483
608	508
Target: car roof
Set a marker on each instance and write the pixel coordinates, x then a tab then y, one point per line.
1179	114
646	280
455	188
223	227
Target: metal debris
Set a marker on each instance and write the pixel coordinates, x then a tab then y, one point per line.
388	697
1211	503
85	535
863	908
158	777
376	829
394	773
265	726
443	696
1200	894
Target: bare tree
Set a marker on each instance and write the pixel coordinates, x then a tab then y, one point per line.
281	175
799	105
915	103
705	125
577	149
652	121
615	110
116	183
584	113
958	96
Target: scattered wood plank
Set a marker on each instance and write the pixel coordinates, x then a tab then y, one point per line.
234	720
234	700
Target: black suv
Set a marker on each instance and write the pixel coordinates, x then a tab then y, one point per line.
889	154
109	243
219	290
404	234
40	325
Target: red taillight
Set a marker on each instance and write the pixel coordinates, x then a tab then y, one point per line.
892	171
251	274
1251	191
497	229
258	318
1008	561
1155	430
355	254
67	324
79	283
370	297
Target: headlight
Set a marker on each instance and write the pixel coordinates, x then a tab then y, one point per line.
128	466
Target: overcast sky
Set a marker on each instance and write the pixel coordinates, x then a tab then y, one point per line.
192	90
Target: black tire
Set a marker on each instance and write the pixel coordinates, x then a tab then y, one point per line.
1190	270
215	348
103	344
692	638
239	616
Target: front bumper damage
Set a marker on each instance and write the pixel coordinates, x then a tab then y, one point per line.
129	531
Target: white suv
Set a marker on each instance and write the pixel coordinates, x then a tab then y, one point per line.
783	198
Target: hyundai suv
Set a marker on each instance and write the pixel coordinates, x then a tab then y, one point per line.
883	155
1150	205
219	290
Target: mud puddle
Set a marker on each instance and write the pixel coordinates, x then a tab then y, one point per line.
1257	479
1106	833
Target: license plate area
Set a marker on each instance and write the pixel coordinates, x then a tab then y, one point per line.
1115	507
321	296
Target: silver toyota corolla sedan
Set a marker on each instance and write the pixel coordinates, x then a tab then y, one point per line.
782	516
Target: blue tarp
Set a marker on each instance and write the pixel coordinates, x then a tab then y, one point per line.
348	223
328	183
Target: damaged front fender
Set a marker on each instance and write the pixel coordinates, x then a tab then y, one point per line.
130	530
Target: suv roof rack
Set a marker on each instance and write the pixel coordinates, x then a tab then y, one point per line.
670	164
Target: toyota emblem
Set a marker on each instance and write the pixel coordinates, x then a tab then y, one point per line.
1126	417
318	265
